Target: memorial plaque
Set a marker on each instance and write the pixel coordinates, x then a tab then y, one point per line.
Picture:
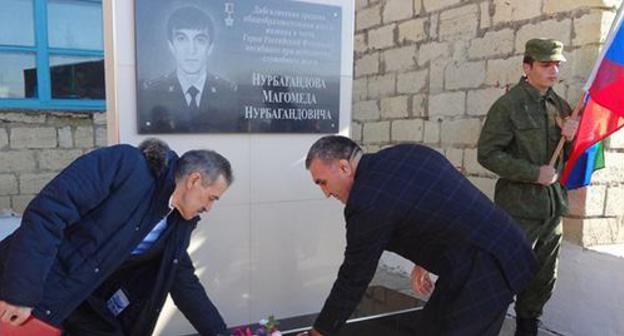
253	66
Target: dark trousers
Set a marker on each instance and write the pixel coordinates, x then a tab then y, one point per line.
545	236
471	301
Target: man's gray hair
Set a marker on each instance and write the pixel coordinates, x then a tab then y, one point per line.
331	148
208	163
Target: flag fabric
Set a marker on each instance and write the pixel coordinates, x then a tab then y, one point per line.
603	113
589	161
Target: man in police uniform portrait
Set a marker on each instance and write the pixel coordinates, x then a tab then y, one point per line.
189	99
520	134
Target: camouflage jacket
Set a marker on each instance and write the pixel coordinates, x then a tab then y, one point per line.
520	134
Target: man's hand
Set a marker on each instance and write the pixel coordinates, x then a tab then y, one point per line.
14	315
421	281
568	130
312	332
547	175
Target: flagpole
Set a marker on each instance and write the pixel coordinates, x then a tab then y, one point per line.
592	76
575	113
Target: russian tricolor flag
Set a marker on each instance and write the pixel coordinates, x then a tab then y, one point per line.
603	113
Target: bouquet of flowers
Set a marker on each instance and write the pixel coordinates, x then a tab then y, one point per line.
268	327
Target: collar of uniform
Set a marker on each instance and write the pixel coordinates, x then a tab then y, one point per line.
186	83
534	93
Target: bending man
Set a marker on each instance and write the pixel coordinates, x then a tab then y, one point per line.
101	246
410	200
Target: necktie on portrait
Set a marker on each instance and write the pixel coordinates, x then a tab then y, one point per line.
193	107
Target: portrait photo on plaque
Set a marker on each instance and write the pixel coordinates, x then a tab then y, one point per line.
253	66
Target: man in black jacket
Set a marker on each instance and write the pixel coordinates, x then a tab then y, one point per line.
410	200
101	246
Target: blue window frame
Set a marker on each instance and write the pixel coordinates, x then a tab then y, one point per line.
54	60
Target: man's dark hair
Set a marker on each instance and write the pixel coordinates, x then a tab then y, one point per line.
528	60
331	148
190	18
208	163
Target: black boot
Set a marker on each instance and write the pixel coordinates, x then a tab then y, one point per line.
526	326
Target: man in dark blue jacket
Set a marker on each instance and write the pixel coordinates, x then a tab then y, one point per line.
410	200
101	246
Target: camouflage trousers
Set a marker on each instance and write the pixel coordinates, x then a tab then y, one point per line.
545	237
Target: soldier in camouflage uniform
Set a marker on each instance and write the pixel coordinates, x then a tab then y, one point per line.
519	136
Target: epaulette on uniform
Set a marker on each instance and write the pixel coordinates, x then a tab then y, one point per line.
156	82
227	84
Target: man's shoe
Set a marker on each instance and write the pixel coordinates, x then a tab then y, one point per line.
526	326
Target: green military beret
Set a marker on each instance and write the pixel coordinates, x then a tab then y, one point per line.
544	50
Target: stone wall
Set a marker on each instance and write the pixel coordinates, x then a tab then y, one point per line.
426	71
35	146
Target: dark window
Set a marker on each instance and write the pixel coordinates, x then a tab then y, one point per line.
77	77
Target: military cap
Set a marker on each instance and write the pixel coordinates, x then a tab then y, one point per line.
544	50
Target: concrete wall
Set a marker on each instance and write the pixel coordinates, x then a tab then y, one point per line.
426	71
36	145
